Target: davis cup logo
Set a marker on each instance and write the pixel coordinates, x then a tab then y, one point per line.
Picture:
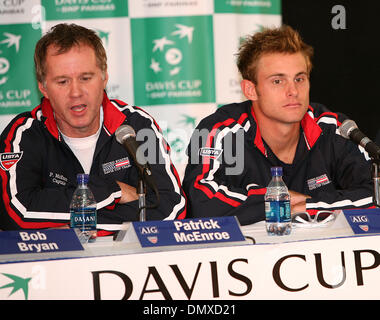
170	56
4	67
10	40
17	93
167	67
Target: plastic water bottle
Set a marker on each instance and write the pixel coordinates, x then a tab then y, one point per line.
277	205
83	211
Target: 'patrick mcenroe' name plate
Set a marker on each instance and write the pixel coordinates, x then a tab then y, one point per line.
187	231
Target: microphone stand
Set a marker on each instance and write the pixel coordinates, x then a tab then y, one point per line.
141	192
376	181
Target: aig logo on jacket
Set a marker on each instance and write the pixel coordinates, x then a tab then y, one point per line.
9	159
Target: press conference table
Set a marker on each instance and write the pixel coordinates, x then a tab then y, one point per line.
311	263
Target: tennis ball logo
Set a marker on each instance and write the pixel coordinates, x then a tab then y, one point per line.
171	56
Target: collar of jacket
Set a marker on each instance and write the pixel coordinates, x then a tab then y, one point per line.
113	117
311	130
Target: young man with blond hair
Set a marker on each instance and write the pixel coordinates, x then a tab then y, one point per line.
276	126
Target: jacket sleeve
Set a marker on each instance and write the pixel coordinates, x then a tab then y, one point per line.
25	203
351	177
172	200
213	182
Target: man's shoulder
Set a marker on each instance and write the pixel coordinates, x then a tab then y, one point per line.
19	119
136	116
329	121
128	109
227	115
24	125
319	111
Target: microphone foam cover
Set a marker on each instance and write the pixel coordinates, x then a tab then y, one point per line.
123	132
346	128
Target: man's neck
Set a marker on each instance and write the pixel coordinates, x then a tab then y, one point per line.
281	138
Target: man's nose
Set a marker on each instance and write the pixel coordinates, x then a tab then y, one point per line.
292	90
75	89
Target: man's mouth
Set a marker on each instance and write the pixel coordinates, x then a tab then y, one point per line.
292	105
78	107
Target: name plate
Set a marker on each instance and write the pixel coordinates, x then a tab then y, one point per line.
188	231
38	241
363	221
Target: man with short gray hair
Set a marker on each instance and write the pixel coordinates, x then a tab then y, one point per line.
73	131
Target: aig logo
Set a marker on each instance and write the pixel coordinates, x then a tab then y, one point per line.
148	230
358	219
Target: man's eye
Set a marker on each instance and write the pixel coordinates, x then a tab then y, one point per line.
277	81
62	82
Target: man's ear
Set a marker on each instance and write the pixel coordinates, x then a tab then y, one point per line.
249	89
43	90
105	79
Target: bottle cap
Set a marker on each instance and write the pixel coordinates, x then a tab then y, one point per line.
276	171
82	178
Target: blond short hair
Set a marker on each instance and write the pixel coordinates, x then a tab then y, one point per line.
277	40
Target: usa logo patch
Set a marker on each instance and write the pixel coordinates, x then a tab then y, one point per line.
116	165
317	182
210	152
9	159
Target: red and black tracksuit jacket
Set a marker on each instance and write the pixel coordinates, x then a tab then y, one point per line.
38	171
329	168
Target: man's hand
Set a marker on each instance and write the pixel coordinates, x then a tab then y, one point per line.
128	193
297	201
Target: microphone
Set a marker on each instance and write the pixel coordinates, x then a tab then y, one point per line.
350	130
126	136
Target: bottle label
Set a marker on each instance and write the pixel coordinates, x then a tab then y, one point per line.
277	211
83	219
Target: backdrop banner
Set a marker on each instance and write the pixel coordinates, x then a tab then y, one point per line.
174	58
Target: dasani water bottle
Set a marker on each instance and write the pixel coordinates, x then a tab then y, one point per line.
277	205
83	211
